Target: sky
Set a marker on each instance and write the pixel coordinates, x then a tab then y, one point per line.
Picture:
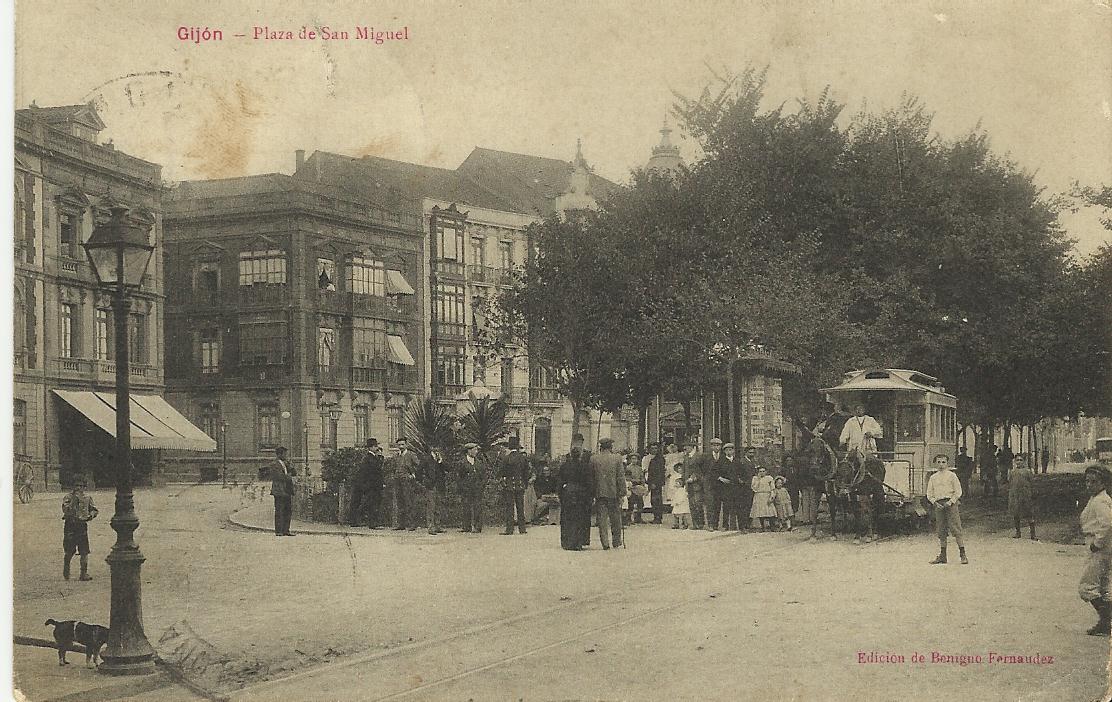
533	77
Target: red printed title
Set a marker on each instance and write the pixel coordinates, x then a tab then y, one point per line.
204	35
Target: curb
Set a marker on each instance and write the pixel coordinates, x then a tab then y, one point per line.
234	519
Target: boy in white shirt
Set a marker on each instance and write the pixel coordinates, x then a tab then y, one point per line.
944	492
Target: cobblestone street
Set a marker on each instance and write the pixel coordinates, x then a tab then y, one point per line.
382	614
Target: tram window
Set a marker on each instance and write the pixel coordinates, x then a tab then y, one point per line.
909	423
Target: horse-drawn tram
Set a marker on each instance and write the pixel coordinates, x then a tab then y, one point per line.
918	419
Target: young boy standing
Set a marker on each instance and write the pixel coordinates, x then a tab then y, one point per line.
944	492
77	511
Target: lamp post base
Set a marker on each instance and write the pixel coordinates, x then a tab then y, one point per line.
127	652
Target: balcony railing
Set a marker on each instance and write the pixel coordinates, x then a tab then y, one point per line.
368	377
449	330
447	392
72	267
544	395
400	306
450	268
482	274
372	305
101	370
134	370
263	294
401	377
20	360
515	396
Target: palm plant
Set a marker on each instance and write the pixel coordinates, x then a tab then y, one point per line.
428	426
485	424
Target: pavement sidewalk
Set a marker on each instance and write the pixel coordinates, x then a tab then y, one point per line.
38	677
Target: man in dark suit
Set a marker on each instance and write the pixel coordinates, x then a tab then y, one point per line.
731	479
610	488
963	468
367	487
657	475
472	480
747	469
715	467
434	478
403	477
513	476
577	492
282	487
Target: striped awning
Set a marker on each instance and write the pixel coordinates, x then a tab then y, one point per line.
397	351
396	284
154	423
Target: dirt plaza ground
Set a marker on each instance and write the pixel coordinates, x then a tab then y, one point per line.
676	615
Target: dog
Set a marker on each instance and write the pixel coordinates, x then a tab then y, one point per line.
92	636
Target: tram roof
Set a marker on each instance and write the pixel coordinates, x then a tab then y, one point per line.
889	379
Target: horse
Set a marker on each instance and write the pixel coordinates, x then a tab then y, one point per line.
866	490
825	473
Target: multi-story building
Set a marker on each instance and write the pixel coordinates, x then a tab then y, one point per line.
475	221
66	184
293	317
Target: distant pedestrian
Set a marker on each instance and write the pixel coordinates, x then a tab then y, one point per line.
577	492
714	466
471	479
1021	500
748	472
944	492
513	477
963	468
1045	456
657	476
990	486
282	488
610	488
681	508
732	478
403	478
637	490
1096	526
77	511
694	470
367	484
782	501
434	478
763	508
1004	462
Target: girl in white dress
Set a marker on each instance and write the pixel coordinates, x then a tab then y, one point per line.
681	508
763	508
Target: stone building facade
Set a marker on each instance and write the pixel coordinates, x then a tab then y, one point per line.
64	183
475	221
294	317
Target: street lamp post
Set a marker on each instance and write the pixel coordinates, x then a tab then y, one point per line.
119	252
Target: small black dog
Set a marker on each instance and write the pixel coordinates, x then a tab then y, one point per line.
91	636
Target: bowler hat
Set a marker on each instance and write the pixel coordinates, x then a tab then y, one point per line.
371	443
281	449
513	443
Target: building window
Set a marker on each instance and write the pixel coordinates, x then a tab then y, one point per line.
449	243
477	256
262	267
449	303
103	345
263	343
69	234
67	342
506	254
542	436
507	376
909	422
210	351
208	284
394	424
539	377
328	430
366	276
267	430
326	347
210	419
137	338
362	425
368	341
326	274
450	363
19	427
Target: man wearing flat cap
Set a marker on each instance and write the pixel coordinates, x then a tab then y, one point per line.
471	479
610	488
